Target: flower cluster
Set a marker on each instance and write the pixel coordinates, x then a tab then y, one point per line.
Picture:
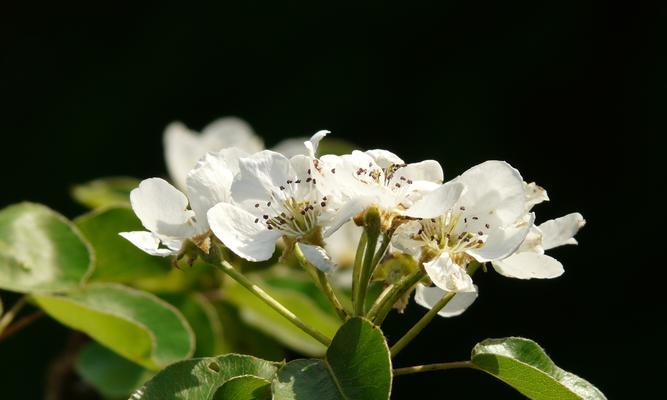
233	193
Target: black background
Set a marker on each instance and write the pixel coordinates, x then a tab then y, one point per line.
568	92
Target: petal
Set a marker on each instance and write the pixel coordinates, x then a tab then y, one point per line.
403	238
428	170
149	243
230	132
291	147
561	231
528	265
494	191
447	275
317	256
428	297
345	213
534	194
503	241
210	182
237	230
182	149
436	202
384	158
311	145
261	174
162	208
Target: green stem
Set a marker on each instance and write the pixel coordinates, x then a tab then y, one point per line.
271	302
365	273
386	240
385	302
323	282
421	324
433	367
20	324
358	260
11	313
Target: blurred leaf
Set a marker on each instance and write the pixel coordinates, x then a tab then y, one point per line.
256	313
335	146
118	260
523	364
246	387
246	339
357	366
102	192
199	378
135	324
205	322
41	251
112	375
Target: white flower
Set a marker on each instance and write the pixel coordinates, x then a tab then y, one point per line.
184	147
273	197
170	216
380	177
529	261
488	222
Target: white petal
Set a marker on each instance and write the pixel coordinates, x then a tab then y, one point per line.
345	213
149	243
291	147
436	202
494	191
503	241
528	265
561	231
428	170
260	174
237	230
182	149
210	182
311	145
428	296
230	132
162	208
447	275
534	194
384	158
317	256
403	238
342	244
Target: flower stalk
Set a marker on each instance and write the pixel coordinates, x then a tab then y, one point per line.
421	324
372	221
9	316
323	282
228	269
385	302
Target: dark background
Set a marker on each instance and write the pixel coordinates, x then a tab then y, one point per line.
568	92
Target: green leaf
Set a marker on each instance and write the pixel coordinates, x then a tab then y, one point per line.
204	320
41	251
256	313
523	364
103	192
246	387
135	324
112	375
357	366
117	260
199	378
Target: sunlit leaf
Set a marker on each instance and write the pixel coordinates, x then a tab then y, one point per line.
41	251
135	324
523	364
245	387
199	378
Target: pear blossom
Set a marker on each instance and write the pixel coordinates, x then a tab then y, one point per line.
170	216
184	147
488	222
427	297
529	260
381	178
274	197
